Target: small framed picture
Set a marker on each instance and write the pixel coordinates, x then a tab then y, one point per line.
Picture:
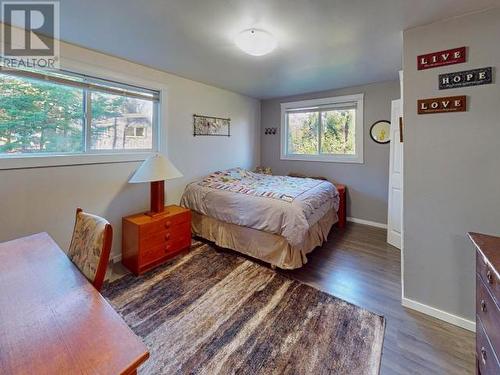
380	131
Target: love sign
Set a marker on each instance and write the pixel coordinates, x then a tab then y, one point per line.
466	78
440	105
441	58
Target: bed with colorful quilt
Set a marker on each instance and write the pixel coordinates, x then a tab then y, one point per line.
277	219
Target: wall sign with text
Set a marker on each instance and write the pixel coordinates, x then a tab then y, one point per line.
474	77
441	58
444	104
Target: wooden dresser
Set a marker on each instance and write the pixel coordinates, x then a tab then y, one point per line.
149	241
487	303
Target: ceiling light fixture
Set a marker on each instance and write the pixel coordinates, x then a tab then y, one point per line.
256	42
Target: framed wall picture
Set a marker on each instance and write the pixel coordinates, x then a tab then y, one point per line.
209	125
380	132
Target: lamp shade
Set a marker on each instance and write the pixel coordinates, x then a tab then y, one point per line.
155	168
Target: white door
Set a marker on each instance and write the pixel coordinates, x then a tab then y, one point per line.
395	214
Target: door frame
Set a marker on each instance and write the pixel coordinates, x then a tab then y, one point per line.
399	103
395	103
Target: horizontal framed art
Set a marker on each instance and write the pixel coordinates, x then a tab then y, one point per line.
442	105
442	58
473	77
211	126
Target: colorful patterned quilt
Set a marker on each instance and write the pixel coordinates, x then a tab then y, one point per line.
242	181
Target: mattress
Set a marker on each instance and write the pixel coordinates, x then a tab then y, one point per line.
286	206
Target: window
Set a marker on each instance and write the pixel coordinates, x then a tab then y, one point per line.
65	113
133	131
328	129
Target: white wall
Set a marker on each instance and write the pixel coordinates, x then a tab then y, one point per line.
452	179
45	199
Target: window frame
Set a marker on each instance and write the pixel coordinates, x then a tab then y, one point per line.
89	156
330	102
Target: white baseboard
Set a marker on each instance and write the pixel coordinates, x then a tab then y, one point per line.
439	314
367	222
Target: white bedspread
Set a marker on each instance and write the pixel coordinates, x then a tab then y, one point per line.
288	219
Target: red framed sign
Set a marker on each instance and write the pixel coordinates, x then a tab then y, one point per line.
444	104
442	58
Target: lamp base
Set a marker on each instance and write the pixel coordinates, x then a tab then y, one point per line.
157	199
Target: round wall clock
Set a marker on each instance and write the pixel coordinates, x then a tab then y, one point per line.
381	131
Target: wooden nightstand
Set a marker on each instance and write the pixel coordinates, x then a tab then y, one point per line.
149	241
342	213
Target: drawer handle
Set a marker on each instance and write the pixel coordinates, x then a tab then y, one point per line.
483	305
489	277
483	355
167	248
168	224
167	236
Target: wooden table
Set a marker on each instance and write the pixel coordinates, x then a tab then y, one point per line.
53	321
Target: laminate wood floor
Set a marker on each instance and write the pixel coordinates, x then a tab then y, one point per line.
357	265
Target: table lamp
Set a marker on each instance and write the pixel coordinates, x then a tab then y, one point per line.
156	169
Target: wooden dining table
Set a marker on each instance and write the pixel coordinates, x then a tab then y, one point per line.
53	321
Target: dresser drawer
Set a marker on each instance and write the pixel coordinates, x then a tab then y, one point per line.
164	224
488	363
489	313
488	276
166	235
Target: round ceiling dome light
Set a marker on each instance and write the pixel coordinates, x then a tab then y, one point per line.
256	42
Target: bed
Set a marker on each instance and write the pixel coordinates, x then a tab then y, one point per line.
277	219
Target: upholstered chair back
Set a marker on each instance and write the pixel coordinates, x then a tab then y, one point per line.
90	246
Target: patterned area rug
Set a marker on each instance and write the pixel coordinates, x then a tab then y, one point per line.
214	312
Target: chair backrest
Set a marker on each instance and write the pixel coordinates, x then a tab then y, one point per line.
90	246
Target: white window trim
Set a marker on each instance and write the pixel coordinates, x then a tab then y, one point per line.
336	100
68	159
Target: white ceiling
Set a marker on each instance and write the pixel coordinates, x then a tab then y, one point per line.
323	44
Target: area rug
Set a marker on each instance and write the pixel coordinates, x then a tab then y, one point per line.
214	312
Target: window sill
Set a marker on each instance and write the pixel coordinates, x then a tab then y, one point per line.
63	160
323	158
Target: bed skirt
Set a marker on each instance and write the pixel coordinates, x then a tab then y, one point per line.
268	247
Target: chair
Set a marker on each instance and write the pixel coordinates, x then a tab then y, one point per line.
90	246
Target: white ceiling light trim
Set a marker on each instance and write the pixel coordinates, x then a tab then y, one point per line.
256	42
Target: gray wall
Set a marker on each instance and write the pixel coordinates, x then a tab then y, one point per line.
366	183
452	174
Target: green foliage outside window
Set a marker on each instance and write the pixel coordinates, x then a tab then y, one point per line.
44	117
337	136
303	133
334	130
39	117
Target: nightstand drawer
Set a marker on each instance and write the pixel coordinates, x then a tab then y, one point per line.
170	247
164	224
152	254
183	241
164	236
